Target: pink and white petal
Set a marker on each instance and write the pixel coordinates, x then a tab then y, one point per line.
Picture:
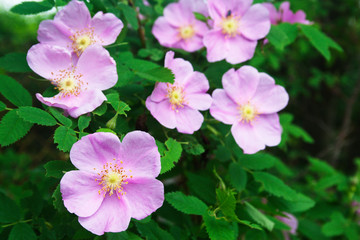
199	101
192	44
54	33
239	49
162	112
223	108
97	67
80	193
51	101
300	17
75	15
216	46
86	102
113	216
178	15
166	34
188	120
241	85
144	196
239	7
196	83
246	137
219	9
160	92
199	6
180	67
107	27
267	128
255	24
140	154
94	150
46	59
273	13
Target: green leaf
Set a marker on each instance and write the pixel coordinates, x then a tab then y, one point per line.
122	236
336	226
152	231
65	137
9	211
22	231
259	217
193	147
227	202
171	156
130	15
60	117
290	30
119	106
218	229
57	168
154	53
14	62
320	41
101	110
300	203
321	167
258	161
159	74
222	153
83	122
200	17
36	115
106	130
202	186
298	132
311	230
186	204
14	92
12	128
26	8
238	177
57	200
125	74
275	185
2	106
277	37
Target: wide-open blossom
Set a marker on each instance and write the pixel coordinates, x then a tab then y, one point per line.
176	105
238	26
115	181
73	28
249	102
80	86
285	14
291	221
179	28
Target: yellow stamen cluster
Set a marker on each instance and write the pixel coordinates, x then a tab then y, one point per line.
81	39
176	96
248	113
112	178
186	32
67	82
230	25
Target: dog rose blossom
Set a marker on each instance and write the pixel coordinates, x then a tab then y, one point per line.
249	102
238	26
176	105
179	28
285	14
80	86
73	28
115	181
291	221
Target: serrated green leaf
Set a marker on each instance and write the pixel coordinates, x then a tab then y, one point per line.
320	41
238	177
14	91
277	37
22	231
101	110
119	106
9	211
12	128
83	122
336	226
57	200
159	74
60	117
258	161
218	229
311	230
259	217
192	147
172	155
125	74
36	115
65	137
298	132
290	30
56	168
130	15
275	185
152	231
26	8
154	53
186	204
300	203
227	202
202	186
2	106
14	62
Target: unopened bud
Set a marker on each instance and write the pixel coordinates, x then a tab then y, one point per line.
112	122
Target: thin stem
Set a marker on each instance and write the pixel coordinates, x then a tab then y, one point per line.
14	223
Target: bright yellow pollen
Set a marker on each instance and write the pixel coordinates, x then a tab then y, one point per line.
230	26
83	42
82	39
248	113
186	32
68	82
176	96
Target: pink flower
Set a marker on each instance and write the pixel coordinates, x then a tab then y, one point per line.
178	28
176	105
285	14
291	221
249	102
115	181
73	28
237	28
80	86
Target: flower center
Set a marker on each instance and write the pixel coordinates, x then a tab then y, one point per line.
82	39
186	32
176	96
248	113
230	25
112	178
67	82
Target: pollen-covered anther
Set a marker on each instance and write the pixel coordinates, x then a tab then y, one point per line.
81	39
186	32
68	82
248	113
176	96
230	25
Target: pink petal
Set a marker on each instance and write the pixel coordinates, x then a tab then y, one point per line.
97	67
240	49
267	128
80	194
273	13
162	112
181	68
94	150
269	98
160	92
241	85
54	33
192	44
289	220
255	24
178	15
245	136
113	216
196	83
223	108
219	9
144	196
75	15
199	101
166	34
300	17
198	6
140	154
46	59
188	120
216	46
107	27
